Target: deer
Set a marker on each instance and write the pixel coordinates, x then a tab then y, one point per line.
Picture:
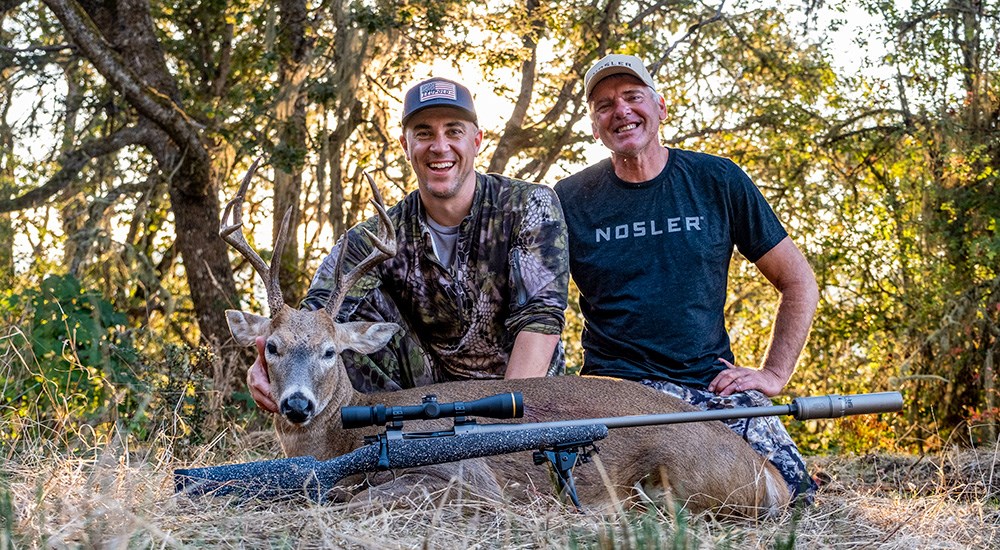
702	465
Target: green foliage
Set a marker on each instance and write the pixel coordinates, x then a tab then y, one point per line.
71	362
73	353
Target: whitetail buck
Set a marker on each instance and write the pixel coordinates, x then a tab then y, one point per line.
702	465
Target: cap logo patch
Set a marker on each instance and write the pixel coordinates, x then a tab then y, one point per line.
614	64
437	90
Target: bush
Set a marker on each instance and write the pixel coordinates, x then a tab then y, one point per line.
70	361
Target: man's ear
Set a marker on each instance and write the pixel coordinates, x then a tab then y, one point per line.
365	337
402	143
479	138
246	327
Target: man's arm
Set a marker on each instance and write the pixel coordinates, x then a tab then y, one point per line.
539	281
787	269
531	355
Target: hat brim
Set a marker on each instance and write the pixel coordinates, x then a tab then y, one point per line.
450	104
612	71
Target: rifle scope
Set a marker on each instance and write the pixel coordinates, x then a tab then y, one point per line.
504	405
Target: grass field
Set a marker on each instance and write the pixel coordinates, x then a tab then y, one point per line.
112	496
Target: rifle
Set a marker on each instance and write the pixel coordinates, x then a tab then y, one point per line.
562	444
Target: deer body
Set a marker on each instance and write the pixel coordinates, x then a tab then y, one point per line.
702	464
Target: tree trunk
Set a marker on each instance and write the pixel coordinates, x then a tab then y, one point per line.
291	150
120	40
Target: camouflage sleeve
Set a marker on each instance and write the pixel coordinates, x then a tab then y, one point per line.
325	281
539	265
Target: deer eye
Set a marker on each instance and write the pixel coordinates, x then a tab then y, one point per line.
330	352
272	348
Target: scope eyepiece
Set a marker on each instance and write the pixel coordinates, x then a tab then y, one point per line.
503	406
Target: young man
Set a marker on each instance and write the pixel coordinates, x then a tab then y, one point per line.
479	280
651	234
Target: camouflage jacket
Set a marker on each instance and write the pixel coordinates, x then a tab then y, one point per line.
510	274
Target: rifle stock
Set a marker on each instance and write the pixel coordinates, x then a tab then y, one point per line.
313	479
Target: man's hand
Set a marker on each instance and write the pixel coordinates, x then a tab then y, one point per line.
739	379
259	382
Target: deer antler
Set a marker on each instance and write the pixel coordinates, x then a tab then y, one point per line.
233	235
385	248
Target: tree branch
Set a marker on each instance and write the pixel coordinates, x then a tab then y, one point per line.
149	101
515	123
695	27
37	48
7	5
72	162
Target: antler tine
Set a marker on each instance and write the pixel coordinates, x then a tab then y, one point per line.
232	233
274	299
385	248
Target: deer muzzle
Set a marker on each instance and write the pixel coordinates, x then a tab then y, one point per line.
297	408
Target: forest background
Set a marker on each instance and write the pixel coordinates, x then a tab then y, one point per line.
872	127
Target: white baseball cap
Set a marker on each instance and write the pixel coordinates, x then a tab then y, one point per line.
613	64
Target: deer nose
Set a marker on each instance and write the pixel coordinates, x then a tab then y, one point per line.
297	408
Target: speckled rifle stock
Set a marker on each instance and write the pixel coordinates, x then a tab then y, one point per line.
310	478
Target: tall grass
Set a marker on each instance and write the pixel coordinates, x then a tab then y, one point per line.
121	496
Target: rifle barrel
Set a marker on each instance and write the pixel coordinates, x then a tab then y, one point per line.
803	408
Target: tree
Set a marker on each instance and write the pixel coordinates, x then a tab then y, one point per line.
163	102
120	42
929	164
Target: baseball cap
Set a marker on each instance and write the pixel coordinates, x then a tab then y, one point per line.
613	64
438	92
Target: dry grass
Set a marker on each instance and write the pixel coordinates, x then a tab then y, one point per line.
115	497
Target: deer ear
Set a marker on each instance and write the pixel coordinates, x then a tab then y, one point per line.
246	327
365	337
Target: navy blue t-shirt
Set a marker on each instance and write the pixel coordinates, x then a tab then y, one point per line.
651	260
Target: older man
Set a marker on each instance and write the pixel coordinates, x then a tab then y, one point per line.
651	235
479	280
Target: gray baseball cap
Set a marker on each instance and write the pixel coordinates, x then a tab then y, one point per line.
613	64
439	92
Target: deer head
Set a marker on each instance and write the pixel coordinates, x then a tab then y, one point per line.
303	348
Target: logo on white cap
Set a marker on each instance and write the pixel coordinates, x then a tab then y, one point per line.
438	90
614	63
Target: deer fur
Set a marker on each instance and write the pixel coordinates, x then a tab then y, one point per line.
702	465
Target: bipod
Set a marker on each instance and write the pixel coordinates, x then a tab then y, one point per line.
563	457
